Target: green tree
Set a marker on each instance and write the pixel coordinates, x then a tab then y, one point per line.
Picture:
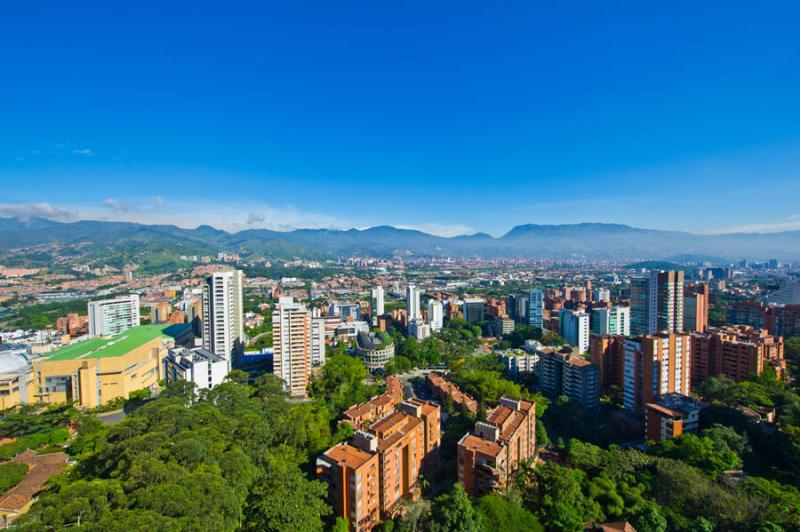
453	512
500	514
649	520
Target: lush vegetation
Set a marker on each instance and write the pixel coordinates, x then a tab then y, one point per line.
43	315
11	474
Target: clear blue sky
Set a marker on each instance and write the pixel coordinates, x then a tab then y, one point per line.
451	117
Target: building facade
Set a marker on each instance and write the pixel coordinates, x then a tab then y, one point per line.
737	352
291	340
435	315
657	303
199	366
562	373
474	309
223	319
574	328
535	310
413	311
376	306
611	320
110	317
656	365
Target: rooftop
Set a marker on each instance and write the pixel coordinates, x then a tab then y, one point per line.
475	443
347	455
116	346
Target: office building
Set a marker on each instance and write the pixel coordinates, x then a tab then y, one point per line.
223	319
93	372
562	373
435	315
787	294
110	317
670	416
291	339
490	455
656	365
199	366
608	353
473	309
503	325
611	320
737	352
574	328
376	307
413	311
657	303
535	309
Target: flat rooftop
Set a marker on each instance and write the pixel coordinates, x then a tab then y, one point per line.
116	346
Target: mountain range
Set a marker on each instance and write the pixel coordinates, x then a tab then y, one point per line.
568	241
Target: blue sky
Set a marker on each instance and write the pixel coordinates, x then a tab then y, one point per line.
451	117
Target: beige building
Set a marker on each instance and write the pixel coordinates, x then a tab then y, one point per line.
93	372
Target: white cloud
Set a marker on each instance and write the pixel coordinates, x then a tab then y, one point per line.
158	200
117	205
26	211
86	152
446	230
790	223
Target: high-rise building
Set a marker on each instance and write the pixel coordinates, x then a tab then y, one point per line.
601	295
787	294
574	327
657	303
735	351
473	309
782	320
291	339
413	311
110	317
695	307
223	319
317	341
611	320
353	485
490	455
435	315
376	307
656	365
608	352
745	313
536	308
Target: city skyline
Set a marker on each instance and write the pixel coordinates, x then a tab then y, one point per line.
283	117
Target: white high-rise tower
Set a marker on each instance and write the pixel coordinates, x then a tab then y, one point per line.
435	315
223	320
376	307
412	303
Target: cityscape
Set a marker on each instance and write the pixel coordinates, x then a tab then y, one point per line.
400	268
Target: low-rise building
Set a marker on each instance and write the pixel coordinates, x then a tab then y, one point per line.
375	349
518	361
16	376
198	365
490	454
442	390
735	351
671	415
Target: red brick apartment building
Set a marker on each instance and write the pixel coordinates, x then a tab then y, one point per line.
489	455
737	351
443	389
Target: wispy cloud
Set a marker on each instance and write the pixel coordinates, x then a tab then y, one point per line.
446	230
117	205
26	211
85	152
790	223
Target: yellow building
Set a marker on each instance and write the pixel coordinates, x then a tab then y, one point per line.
16	376
93	372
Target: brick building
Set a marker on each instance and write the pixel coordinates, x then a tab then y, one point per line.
443	389
735	351
490	454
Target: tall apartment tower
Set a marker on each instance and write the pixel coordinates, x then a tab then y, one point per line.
376	307
657	303
223	320
317	341
574	327
413	311
655	365
111	317
536	308
435	315
695	307
291	339
611	320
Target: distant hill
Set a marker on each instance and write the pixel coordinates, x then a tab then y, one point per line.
568	241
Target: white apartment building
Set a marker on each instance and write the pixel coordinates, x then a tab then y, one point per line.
197	365
612	320
110	317
419	329
376	307
574	328
291	340
435	315
223	320
317	341
412	303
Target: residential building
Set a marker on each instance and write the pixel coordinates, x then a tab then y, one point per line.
110	317
413	311
562	373
430	413
73	324
695	307
657	303
656	365
94	371
473	309
376	307
360	416
608	353
317	341
671	415
291	339
611	320
353	484
518	362
535	309
418	329
199	366
574	328
601	295
435	315
444	391
782	320
490	454
738	352
223	319
745	313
